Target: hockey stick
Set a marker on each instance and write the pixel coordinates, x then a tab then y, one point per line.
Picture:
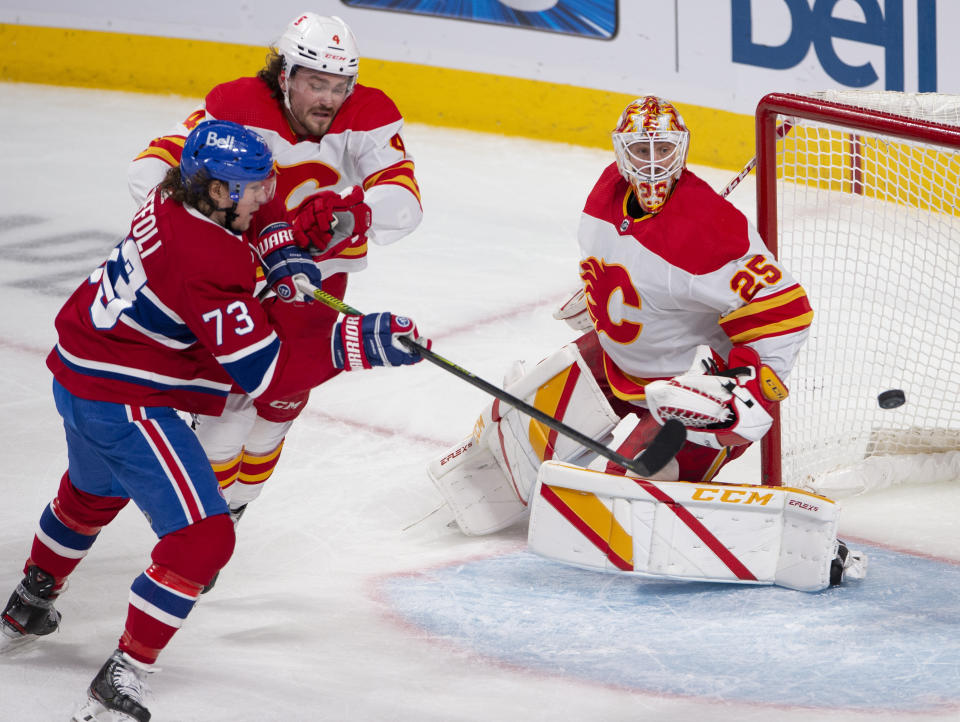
782	130
658	454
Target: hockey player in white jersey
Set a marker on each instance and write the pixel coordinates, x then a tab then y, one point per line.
687	316
344	177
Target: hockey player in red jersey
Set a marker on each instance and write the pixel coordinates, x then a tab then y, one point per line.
344	176
170	321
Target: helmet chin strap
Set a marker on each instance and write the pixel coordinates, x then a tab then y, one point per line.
286	90
230	215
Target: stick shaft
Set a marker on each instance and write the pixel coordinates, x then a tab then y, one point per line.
638	466
782	130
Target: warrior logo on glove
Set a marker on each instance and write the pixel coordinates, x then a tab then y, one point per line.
377	339
284	263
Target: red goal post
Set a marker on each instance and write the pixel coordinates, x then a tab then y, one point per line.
861	203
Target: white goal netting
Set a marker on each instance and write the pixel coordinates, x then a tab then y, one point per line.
869	223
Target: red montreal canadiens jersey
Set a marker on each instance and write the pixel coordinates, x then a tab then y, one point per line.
364	146
695	273
170	319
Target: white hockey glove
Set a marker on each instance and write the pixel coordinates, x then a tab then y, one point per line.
720	408
574	312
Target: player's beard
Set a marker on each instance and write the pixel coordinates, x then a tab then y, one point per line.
314	124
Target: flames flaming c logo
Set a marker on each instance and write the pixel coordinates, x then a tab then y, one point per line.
600	281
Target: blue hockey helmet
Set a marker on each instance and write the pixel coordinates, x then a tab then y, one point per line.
227	152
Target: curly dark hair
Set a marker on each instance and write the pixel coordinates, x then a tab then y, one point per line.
196	195
270	74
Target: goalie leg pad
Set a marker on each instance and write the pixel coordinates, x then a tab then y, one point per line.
562	386
486	479
683	530
469	479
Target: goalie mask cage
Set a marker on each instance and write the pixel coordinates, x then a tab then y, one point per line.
859	199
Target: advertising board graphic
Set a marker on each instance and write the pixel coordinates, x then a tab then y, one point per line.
586	18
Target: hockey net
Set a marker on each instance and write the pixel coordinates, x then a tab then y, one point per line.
860	200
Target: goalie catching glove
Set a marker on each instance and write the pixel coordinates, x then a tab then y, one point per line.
328	219
362	342
720	408
284	263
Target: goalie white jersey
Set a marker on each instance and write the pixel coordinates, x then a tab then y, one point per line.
697	272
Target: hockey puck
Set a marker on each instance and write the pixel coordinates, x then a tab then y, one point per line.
891	399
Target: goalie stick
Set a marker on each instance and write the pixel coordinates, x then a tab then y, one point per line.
658	454
782	130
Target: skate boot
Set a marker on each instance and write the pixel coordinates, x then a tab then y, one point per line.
847	565
235	515
117	692
30	613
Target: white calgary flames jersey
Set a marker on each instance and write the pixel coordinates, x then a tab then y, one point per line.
364	146
695	273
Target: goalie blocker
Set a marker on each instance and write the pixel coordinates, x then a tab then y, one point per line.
689	531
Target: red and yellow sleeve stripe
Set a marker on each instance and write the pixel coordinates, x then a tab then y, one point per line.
623	385
400	174
169	148
781	313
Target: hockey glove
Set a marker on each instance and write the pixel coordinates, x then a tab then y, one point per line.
720	408
285	263
574	312
328	218
362	342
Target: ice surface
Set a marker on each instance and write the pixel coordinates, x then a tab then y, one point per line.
330	609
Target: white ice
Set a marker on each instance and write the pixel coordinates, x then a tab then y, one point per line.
303	623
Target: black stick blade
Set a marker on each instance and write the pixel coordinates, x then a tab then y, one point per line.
665	445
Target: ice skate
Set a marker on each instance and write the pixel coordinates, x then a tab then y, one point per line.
235	515
29	612
117	693
847	565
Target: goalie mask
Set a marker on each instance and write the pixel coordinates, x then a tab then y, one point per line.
650	142
321	43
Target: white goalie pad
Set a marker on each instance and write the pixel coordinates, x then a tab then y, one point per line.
486	498
562	386
481	498
683	530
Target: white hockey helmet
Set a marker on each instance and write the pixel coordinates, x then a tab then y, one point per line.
650	143
322	43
